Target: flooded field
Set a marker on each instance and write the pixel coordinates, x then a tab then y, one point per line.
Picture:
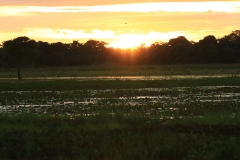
146	77
193	122
156	102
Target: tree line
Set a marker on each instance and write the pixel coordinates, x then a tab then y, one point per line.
23	51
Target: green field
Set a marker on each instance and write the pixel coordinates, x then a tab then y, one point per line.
121	71
169	118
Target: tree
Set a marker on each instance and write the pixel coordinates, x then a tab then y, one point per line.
19	52
1	54
208	40
177	50
179	41
95	51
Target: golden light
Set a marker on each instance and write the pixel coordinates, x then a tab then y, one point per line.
128	40
124	44
223	6
115	39
133	40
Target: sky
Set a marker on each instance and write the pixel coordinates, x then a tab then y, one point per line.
120	23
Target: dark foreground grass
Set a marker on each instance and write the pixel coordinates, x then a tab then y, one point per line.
105	136
73	84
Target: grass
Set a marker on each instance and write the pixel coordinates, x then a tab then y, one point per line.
116	70
209	118
116	137
184	119
72	84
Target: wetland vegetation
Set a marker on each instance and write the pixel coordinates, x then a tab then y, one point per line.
169	118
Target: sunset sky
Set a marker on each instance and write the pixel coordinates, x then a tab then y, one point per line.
121	23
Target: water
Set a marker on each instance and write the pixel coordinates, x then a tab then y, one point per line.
160	77
146	101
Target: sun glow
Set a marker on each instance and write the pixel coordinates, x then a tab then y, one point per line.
133	40
120	25
124	44
126	41
116	39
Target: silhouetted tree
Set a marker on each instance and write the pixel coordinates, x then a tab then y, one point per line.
141	55
1	55
229	46
18	53
75	55
176	50
95	51
179	41
209	40
207	50
44	54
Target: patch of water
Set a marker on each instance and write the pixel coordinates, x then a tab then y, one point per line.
160	77
144	100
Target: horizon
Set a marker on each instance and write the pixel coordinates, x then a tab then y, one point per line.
122	24
134	47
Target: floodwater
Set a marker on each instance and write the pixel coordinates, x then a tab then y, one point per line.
147	101
161	77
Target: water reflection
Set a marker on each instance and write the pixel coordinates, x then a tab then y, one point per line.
160	77
146	101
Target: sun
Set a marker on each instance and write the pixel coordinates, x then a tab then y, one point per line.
125	44
126	41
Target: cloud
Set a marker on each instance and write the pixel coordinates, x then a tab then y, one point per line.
90	2
141	22
68	35
107	26
136	7
113	38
